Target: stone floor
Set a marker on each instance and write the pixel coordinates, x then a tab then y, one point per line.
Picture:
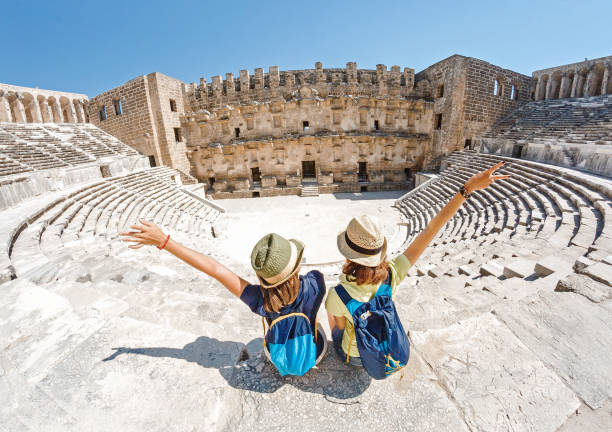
134	340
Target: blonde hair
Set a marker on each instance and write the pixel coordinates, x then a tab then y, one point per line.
275	298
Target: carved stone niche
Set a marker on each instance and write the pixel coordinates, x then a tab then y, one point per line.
337	150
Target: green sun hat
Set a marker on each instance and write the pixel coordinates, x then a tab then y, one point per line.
275	259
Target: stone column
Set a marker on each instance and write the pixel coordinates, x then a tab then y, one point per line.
537	89
18	109
319	76
548	87
45	111
5	109
71	112
606	78
80	112
588	90
35	110
564	85
575	84
57	109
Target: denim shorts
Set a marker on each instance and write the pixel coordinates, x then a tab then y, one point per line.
337	338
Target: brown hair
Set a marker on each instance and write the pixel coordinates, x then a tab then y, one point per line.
275	298
363	275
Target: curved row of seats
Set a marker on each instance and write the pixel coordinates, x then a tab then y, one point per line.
576	120
100	210
540	211
27	147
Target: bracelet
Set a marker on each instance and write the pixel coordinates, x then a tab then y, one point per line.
165	243
464	192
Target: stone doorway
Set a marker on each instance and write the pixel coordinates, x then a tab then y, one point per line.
517	151
256	174
308	170
362	175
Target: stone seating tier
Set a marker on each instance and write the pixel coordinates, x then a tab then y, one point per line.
31	146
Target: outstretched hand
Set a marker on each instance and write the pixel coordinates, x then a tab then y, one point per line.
484	179
145	234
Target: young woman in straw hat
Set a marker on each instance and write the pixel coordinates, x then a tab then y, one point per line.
281	290
364	246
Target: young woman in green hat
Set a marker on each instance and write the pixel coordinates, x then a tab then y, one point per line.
281	292
364	246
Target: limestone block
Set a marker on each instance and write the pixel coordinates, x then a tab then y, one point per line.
268	181
494	378
582	262
326	179
571	335
349	177
376	177
220	186
293	180
492	268
240	184
550	264
584	285
601	272
520	268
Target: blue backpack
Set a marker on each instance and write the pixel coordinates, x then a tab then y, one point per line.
291	344
383	345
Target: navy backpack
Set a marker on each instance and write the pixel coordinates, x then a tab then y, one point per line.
291	343
383	345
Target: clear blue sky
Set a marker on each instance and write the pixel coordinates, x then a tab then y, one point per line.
92	46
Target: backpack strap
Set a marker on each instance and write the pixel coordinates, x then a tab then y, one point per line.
280	318
350	303
385	287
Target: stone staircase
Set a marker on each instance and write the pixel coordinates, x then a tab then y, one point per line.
309	190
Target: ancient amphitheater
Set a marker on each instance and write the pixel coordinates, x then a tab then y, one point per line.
509	311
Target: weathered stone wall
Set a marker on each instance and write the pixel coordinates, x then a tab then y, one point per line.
464	97
135	125
587	78
277	85
147	121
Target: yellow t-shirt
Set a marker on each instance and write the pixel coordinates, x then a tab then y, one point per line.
399	268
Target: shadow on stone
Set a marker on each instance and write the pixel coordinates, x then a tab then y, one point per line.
330	378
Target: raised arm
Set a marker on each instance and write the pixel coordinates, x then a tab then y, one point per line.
477	181
150	234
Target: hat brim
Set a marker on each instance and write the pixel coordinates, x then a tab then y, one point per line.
359	258
300	251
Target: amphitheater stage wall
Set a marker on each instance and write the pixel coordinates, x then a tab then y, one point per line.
17	188
594	158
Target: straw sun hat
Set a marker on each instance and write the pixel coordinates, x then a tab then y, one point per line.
276	259
363	242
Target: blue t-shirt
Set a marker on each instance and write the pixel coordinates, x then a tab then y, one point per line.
308	300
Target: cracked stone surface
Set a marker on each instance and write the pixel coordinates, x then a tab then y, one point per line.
494	378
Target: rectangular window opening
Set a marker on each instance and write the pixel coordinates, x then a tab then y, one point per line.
177	135
376	125
440	90
237	132
364	189
513	93
118	107
438	121
468	144
496	88
211	181
172	105
255	194
306	126
152	161
102	113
